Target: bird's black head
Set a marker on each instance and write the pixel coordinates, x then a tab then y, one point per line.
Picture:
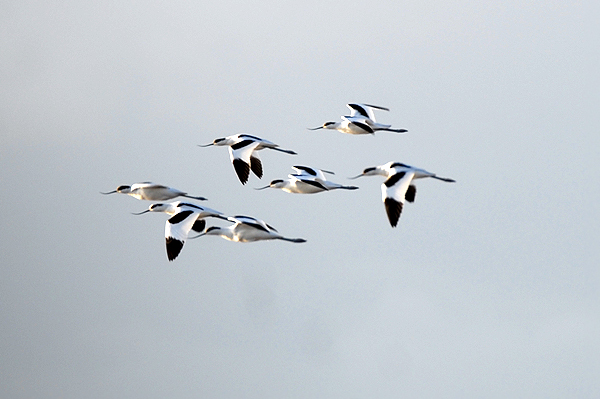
367	170
276	181
123	188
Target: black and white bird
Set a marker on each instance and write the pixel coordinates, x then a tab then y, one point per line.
184	218
242	152
360	121
306	180
397	188
247	229
152	192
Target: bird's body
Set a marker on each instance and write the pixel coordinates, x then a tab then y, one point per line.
242	153
152	192
360	121
306	181
184	218
247	229
397	187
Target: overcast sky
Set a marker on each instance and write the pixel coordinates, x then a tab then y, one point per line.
488	288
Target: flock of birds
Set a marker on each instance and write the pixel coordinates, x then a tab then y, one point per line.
186	217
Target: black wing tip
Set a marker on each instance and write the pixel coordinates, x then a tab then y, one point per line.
242	169
199	225
393	209
256	167
411	192
174	247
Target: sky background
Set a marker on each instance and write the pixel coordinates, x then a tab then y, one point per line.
488	288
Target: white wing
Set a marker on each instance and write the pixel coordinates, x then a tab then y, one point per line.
177	229
359	124
393	192
253	222
364	110
240	154
309	172
242	150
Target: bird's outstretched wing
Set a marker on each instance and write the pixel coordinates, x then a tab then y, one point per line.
393	192
240	154
177	229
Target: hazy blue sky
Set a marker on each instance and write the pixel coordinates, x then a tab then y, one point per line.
488	288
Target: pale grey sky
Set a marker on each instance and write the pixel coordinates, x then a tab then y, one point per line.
488	288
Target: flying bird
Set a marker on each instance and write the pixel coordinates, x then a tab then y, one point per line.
397	187
152	192
247	229
306	180
360	121
184	218
242	152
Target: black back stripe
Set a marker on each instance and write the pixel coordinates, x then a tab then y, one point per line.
377	107
256	226
308	170
271	227
254	138
182	204
393	179
314	183
363	126
399	165
359	109
180	217
242	144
